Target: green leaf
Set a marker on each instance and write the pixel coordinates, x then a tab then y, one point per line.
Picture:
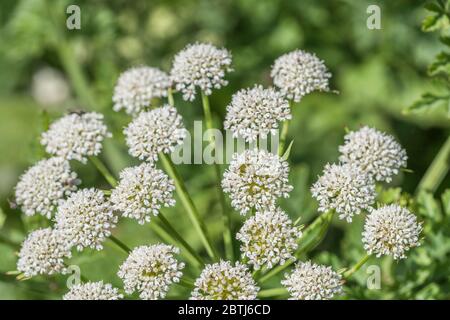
430	101
429	207
440	64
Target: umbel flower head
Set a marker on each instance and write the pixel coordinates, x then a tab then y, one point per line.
256	112
391	230
200	65
222	281
152	132
142	191
42	186
268	238
377	153
256	179
86	219
344	188
136	87
43	252
299	73
150	270
76	136
93	291
309	281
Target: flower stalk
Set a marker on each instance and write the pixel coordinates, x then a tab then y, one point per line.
101	167
227	237
347	274
177	238
120	244
319	227
188	204
437	171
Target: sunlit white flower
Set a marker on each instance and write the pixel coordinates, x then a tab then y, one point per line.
86	219
391	230
136	87
309	281
76	136
43	252
299	73
377	153
268	238
200	65
142	191
159	130
42	186
256	112
344	188
256	179
223	281
93	291
150	270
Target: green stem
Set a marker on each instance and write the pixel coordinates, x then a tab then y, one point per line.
320	224
120	244
283	134
75	74
165	236
101	167
170	97
437	170
274	292
283	137
187	283
177	237
188	204
226	216
357	266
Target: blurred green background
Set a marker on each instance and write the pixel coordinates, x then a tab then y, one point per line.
46	70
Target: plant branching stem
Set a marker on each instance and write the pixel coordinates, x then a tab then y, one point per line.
226	215
437	171
322	222
356	267
120	244
188	204
274	292
284	133
101	167
177	238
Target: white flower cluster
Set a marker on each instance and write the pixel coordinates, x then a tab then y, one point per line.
200	65
93	291
256	179
43	252
136	87
150	270
42	186
256	112
142	191
86	219
76	136
222	281
344	188
299	73
159	130
391	230
268	238
377	153
309	281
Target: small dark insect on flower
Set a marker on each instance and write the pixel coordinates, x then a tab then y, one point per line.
77	111
73	182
